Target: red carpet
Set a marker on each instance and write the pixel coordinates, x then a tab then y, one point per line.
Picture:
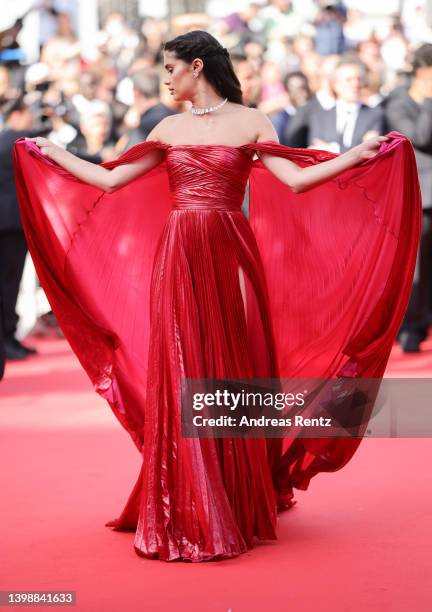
358	540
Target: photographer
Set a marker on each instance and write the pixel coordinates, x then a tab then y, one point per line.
19	122
409	111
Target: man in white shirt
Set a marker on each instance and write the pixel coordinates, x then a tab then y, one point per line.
346	119
349	121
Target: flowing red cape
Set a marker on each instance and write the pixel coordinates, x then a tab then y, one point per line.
339	262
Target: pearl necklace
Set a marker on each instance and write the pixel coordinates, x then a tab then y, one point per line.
209	109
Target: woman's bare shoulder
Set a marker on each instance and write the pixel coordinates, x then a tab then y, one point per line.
253	116
258	117
163	130
258	123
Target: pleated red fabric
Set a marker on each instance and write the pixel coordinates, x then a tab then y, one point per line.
170	277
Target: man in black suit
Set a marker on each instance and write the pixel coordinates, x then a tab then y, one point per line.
13	247
409	111
348	122
2	349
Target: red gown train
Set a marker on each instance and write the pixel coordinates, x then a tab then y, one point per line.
170	277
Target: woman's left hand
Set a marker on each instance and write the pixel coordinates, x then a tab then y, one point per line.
45	145
369	148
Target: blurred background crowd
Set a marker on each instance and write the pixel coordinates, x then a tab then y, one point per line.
88	75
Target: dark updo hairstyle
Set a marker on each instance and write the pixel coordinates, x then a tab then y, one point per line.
218	68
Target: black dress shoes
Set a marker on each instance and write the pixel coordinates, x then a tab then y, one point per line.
14	350
30	350
410	343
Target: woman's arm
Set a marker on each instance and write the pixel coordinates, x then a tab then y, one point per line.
93	174
301	179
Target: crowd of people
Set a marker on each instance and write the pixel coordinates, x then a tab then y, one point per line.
328	74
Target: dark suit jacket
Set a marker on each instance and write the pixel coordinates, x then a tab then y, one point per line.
414	120
148	121
313	121
296	131
9	211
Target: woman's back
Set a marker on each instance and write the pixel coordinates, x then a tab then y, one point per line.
234	125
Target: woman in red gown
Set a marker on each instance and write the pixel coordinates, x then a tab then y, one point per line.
156	274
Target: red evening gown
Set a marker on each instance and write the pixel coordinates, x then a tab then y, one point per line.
171	277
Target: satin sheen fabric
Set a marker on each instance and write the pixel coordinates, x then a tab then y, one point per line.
166	277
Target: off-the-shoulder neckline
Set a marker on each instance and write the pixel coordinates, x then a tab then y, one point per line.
222	146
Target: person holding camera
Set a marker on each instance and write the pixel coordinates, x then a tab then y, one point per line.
13	246
409	111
